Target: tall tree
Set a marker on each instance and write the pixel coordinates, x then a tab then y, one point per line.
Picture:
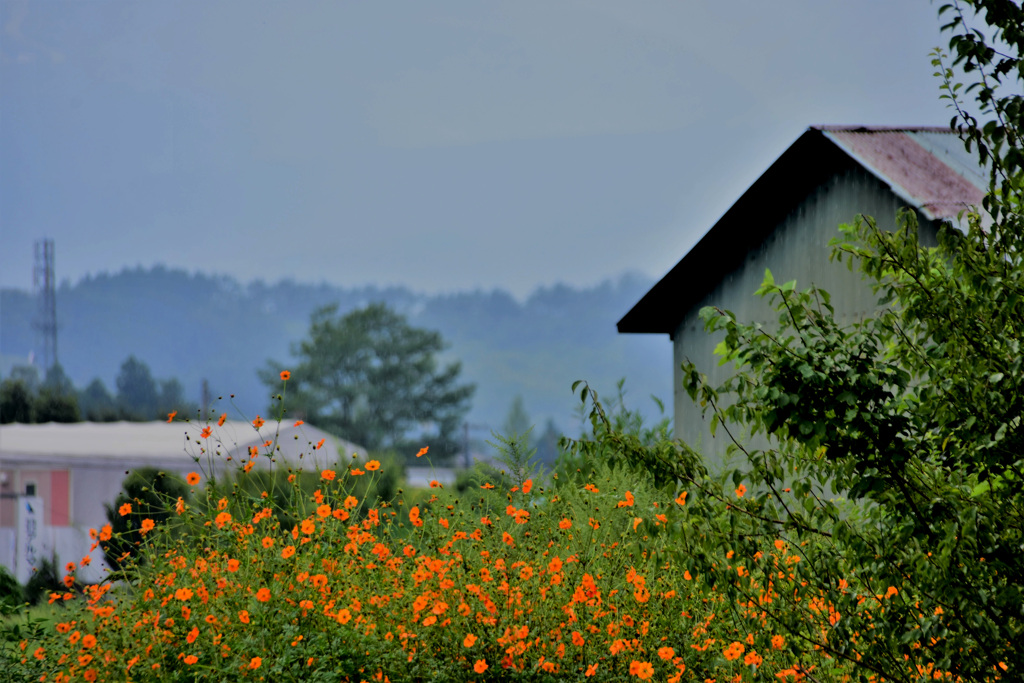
137	395
374	379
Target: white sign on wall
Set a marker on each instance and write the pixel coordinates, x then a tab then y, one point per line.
30	548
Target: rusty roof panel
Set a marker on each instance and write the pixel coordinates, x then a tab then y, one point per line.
915	173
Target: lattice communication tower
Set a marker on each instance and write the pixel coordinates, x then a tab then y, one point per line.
43	278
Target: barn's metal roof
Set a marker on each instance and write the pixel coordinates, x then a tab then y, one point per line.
134	444
927	167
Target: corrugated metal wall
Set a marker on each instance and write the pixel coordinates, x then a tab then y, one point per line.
798	250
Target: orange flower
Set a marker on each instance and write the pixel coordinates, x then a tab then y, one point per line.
192	635
626	503
372	466
577	639
480	666
88	641
268	542
183	593
592	489
243	616
258	422
507	538
666	653
207	430
591	670
233	565
170	415
740	490
324	510
469	640
285	376
287	551
299	423
179	507
307	526
39	654
106	532
222	420
642	670
351	502
147	526
125	509
527	485
263	594
222	519
319	444
256	662
487	485
328	475
733	651
681	499
414	517
191	659
357	472
435	484
423	451
565	523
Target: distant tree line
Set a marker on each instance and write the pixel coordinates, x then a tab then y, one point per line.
139	396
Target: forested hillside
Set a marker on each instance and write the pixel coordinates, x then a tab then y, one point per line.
194	327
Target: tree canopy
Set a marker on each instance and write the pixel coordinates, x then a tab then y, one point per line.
374	379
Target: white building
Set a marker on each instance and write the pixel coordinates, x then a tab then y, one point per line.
56	478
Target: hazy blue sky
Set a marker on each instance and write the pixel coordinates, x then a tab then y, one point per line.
440	145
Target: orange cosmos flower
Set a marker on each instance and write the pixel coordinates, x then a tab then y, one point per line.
183	593
414	517
507	538
307	526
125	509
243	616
39	654
222	420
106	532
285	375
324	510
666	653
351	502
191	659
469	640
256	662
480	666
565	523
207	430
192	635
263	594
329	475
319	444
487	486
527	485
592	488
591	670
222	519
423	451
233	565
287	551
681	499
626	503
147	526
88	641
740	490
299	423
258	422
642	670
179	507
435	484
357	472
372	466
170	415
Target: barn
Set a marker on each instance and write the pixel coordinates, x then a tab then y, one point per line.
785	221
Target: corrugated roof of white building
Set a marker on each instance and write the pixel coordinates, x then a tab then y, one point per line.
161	443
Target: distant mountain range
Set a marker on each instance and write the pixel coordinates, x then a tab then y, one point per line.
194	327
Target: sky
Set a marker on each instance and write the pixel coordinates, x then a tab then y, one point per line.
442	145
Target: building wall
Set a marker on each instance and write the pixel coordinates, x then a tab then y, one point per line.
798	249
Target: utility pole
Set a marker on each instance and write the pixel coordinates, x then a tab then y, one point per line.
43	279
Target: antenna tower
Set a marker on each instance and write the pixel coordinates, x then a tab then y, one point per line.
46	318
